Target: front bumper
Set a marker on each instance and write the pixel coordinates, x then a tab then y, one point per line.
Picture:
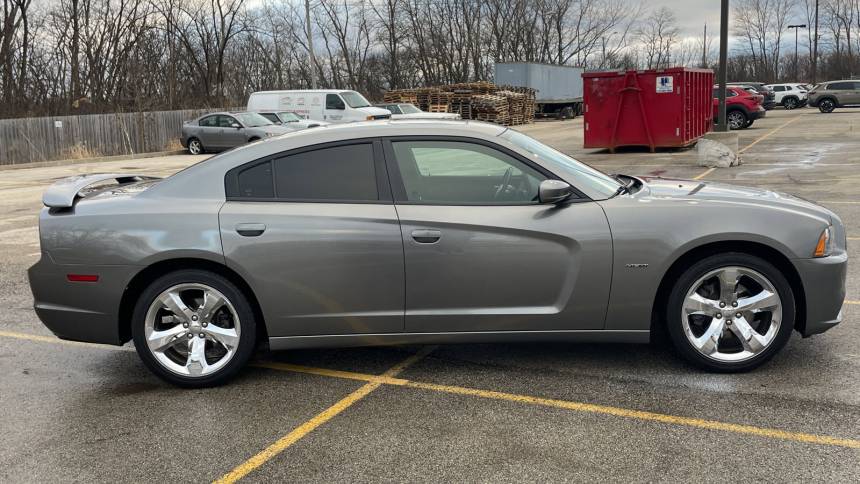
80	311
824	285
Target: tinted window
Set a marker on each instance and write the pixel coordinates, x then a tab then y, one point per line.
840	86
779	88
393	108
338	173
256	182
463	173
271	117
209	121
333	101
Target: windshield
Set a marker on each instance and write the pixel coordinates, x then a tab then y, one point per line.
409	109
288	117
252	120
584	174
354	99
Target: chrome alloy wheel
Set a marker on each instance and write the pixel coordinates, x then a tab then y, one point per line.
192	329
195	147
736	119
731	314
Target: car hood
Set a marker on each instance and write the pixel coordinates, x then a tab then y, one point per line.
274	129
723	192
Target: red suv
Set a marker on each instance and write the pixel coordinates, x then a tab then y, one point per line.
742	107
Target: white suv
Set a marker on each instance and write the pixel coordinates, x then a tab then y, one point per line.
790	96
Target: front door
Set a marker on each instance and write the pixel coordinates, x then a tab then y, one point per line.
482	254
230	135
316	235
335	109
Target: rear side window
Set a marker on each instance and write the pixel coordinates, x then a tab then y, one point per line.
779	88
339	173
256	181
210	121
271	117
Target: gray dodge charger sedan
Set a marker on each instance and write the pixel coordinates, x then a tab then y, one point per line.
426	232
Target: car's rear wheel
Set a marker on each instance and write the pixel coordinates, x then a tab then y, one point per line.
826	105
737	119
195	147
193	328
730	312
790	103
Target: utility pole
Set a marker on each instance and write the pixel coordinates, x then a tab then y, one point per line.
722	125
310	45
815	49
796	28
705	48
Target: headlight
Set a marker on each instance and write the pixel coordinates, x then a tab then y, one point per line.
825	244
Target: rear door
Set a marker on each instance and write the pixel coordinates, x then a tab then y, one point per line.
208	132
316	235
482	254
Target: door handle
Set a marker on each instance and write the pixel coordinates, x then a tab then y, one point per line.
426	236
250	230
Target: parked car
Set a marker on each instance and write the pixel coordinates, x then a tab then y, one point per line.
833	94
426	232
291	120
221	131
333	106
410	111
789	96
742	107
760	87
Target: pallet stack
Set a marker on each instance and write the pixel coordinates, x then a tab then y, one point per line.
482	100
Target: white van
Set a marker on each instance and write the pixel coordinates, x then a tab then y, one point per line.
333	106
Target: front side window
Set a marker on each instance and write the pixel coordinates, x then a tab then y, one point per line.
409	109
226	121
339	173
271	117
779	88
287	117
840	86
453	172
333	101
393	108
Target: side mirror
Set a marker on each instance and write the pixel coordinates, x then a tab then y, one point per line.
554	191
236	125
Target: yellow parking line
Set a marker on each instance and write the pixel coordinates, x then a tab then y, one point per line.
768	134
851	302
388	378
704	174
286	441
642	415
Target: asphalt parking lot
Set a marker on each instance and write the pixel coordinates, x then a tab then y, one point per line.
500	412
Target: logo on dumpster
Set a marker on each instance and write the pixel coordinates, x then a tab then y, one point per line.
664	84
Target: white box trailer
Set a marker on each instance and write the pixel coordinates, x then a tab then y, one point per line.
559	88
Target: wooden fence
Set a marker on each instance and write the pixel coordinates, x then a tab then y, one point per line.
27	140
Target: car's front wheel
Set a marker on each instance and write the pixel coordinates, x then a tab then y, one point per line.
730	312
193	328
737	119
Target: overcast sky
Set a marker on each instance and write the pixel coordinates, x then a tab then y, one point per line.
693	14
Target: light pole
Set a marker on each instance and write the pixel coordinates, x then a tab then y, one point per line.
724	52
815	49
796	28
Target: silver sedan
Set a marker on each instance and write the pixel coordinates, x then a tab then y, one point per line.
221	131
427	232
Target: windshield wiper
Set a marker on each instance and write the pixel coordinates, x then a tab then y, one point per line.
624	188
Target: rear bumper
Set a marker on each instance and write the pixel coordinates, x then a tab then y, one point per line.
824	285
757	114
80	311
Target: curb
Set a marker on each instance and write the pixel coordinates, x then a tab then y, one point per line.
43	164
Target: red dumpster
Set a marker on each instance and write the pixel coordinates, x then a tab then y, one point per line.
653	108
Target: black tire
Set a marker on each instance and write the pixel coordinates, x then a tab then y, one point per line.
254	139
827	105
749	123
790	103
247	335
700	269
195	147
737	119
